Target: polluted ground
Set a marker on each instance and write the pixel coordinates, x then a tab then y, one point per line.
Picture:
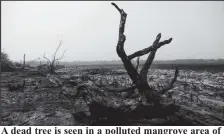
132	93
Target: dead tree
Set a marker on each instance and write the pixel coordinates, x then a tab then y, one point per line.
150	104
53	63
139	79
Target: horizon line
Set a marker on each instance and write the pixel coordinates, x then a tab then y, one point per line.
121	61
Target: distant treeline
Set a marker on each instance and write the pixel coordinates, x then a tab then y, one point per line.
191	61
117	62
187	64
192	64
195	67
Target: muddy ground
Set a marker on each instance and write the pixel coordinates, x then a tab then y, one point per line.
40	101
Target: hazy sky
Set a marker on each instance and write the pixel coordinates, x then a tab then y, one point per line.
89	30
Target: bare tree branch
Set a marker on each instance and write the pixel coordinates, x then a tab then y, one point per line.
47	58
62	56
146	66
57	50
137	63
155	46
170	85
132	72
52	63
116	7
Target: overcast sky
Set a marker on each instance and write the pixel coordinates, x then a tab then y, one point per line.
89	30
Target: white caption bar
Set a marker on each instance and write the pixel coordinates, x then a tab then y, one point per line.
112	129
